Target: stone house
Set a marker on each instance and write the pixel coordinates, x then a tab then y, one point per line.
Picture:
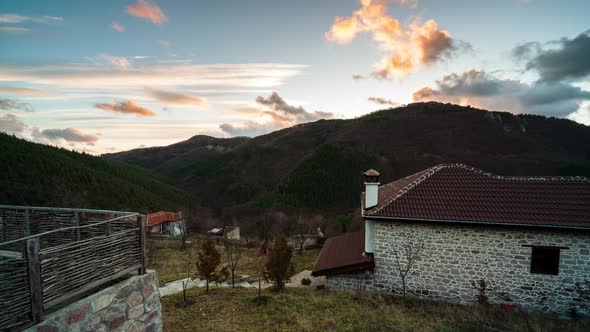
527	237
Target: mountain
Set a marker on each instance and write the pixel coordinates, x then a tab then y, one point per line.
42	175
318	165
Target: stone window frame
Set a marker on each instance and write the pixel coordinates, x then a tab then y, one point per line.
534	270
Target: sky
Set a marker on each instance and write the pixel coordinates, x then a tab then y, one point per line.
106	76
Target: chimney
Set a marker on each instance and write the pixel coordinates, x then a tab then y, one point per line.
371	178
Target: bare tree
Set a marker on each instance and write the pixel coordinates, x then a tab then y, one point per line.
189	264
405	261
182	226
234	254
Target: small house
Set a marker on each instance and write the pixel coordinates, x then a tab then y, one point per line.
165	223
227	232
526	237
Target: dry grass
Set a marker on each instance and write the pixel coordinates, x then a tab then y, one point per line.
226	309
165	256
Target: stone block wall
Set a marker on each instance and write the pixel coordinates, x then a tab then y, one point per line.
350	281
131	305
458	255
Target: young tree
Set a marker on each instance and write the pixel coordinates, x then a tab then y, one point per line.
234	254
278	263
189	264
405	261
208	261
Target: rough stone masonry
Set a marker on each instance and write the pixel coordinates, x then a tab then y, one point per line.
131	305
458	256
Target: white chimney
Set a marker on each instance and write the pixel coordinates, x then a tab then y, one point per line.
371	178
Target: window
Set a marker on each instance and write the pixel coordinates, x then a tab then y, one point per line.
545	260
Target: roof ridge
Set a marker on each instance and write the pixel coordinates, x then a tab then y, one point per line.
519	178
427	174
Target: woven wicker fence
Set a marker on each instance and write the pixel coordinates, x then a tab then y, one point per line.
49	257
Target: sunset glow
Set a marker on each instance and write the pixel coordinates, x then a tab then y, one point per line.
117	75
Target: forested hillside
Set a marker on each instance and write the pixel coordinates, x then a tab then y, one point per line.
36	174
318	165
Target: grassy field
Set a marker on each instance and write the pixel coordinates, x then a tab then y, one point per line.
165	257
227	309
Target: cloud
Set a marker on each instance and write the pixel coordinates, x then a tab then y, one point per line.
115	61
382	101
17	90
10	124
148	11
409	48
125	107
13	105
484	90
117	27
108	73
296	113
569	61
17	19
582	115
70	135
277	113
177	98
14	29
248	128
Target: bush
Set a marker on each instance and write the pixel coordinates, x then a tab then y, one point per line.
305	282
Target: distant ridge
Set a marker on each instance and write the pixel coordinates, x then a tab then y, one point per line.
317	165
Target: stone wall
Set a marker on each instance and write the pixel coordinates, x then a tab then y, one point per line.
457	255
350	281
131	305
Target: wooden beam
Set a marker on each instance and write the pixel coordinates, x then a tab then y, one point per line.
141	223
32	255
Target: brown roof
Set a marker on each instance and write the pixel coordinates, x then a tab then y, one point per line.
456	192
343	253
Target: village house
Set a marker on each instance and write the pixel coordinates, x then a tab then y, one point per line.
528	238
228	233
165	223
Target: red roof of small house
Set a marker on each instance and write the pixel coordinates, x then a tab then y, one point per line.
343	254
460	193
157	218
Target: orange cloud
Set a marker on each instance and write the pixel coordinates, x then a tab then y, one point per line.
148	11
117	27
177	98
409	48
125	107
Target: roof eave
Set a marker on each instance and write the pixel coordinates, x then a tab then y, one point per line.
587	228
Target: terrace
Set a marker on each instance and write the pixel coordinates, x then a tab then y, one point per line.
51	257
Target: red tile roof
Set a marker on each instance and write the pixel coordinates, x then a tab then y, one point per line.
456	192
342	254
157	218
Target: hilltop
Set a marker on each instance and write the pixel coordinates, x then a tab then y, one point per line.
42	175
317	165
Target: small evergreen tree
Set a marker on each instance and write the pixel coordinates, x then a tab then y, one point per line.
278	263
208	261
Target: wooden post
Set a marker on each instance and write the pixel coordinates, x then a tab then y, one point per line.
77	216
34	265
141	223
27	223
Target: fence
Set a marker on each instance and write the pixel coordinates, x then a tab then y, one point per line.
51	256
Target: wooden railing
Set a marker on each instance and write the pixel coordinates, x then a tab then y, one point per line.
51	256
